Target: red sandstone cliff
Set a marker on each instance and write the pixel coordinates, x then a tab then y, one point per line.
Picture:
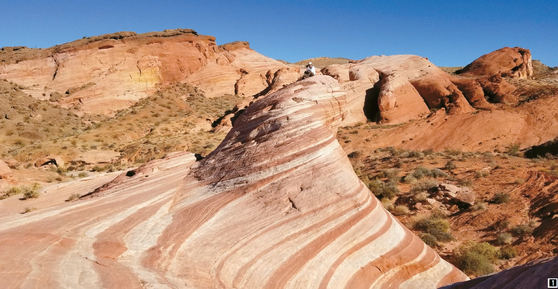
106	73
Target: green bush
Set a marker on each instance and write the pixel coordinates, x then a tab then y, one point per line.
400	210
508	252
409	179
437	173
436	226
383	190
476	258
421	172
429	239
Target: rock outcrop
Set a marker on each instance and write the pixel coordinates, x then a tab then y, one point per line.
5	171
395	89
276	205
534	274
511	62
110	72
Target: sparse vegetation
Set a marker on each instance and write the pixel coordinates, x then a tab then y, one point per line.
503	238
476	258
522	230
73	197
28	209
400	210
436	227
501	198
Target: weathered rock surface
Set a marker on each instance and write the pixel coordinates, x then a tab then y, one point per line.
54	160
110	72
454	194
276	205
5	171
396	89
527	276
512	62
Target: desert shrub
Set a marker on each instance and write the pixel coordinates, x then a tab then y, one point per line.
437	173
421	172
383	190
387	203
420	197
476	258
450	165
73	197
481	174
521	230
503	238
508	252
502	225
428	152
452	152
429	239
31	192
400	210
513	149
465	183
10	192
409	179
390	174
97	169
501	198
354	154
424	185
28	209
82	175
436	226
30	195
479	206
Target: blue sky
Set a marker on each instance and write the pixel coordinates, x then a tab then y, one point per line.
449	33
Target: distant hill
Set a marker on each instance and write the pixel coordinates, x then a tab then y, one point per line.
321	62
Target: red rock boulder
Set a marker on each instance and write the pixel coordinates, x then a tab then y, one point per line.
512	62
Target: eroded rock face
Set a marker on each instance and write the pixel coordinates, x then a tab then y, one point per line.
512	62
110	72
396	89
5	171
276	205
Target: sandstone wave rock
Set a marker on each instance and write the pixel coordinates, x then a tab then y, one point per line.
276	205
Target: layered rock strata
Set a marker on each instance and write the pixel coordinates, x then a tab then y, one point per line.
276	205
110	72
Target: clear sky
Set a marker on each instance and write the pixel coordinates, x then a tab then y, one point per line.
449	33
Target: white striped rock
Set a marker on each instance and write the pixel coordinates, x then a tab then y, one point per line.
276	205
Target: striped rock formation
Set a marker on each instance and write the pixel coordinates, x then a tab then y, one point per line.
276	205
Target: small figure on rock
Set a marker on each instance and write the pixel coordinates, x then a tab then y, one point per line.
310	70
